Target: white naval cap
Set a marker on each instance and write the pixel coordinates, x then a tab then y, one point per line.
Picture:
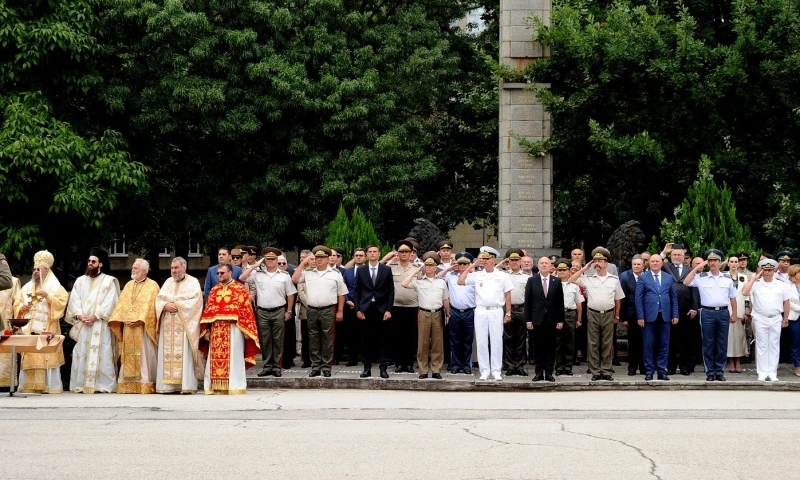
487	252
768	264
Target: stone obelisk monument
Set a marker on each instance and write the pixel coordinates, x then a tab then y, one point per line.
526	183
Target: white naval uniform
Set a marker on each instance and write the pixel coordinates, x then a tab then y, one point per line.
767	308
490	289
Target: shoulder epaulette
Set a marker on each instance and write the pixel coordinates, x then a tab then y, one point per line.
726	274
704	274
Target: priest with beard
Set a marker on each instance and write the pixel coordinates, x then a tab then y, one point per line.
43	301
229	335
91	302
135	325
179	306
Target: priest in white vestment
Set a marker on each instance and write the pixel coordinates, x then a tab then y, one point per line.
7	313
179	306
91	303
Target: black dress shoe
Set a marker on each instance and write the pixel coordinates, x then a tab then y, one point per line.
648	377
511	373
468	371
567	373
423	375
437	376
685	372
288	365
608	378
719	378
454	371
550	378
314	373
670	371
351	363
384	373
326	373
616	363
663	376
538	377
522	373
265	372
631	373
410	368
710	378
276	372
366	373
596	377
399	369
306	365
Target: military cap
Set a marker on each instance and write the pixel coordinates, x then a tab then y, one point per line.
321	251
414	243
713	254
404	246
553	258
430	258
784	255
488	252
601	253
768	264
742	255
272	253
444	244
251	250
514	253
236	251
464	257
563	264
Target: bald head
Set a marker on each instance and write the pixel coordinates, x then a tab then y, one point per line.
544	265
655	263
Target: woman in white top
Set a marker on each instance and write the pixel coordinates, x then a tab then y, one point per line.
794	314
737	337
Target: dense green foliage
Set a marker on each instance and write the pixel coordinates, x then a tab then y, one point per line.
61	175
349	233
640	90
707	219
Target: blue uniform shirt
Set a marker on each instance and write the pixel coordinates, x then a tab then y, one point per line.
211	278
714	291
461	296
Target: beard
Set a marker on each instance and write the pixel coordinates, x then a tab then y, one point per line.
178	276
133	276
92	271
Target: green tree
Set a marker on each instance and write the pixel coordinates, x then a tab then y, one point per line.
62	171
350	233
707	219
261	116
640	90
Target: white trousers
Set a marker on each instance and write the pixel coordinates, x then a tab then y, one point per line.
489	329
768	339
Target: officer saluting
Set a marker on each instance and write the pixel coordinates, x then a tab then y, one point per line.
717	291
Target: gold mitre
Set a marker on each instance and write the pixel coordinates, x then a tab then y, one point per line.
43	258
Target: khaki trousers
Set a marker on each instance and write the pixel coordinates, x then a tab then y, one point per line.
600	331
430	339
320	336
270	332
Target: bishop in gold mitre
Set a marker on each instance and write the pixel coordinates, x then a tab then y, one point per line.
135	325
42	300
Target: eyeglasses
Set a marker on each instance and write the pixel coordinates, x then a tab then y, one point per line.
236	257
281	263
91	262
221	273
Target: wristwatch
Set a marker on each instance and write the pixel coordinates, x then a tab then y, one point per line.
508	314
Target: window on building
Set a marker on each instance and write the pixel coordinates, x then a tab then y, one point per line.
118	248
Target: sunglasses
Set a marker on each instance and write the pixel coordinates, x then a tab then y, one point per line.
281	263
221	273
236	257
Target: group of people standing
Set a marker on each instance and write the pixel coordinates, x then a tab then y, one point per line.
402	308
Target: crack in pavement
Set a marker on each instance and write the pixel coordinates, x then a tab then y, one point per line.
274	394
638	450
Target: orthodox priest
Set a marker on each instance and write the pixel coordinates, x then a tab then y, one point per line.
91	303
43	300
135	325
7	312
179	306
230	336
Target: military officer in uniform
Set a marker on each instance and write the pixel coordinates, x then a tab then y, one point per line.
718	307
784	260
514	332
604	295
493	298
770	301
462	315
275	301
325	291
573	309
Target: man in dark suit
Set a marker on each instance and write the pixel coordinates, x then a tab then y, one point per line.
352	326
373	299
657	308
628	316
684	336
544	314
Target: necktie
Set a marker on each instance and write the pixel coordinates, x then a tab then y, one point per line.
680	270
544	285
372	274
658	281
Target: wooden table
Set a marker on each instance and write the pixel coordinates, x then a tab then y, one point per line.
27	344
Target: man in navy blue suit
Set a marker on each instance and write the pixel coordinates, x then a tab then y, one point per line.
656	303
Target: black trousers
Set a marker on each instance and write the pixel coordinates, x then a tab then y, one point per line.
305	352
514	336
404	335
683	338
544	347
375	331
635	347
289	342
351	333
